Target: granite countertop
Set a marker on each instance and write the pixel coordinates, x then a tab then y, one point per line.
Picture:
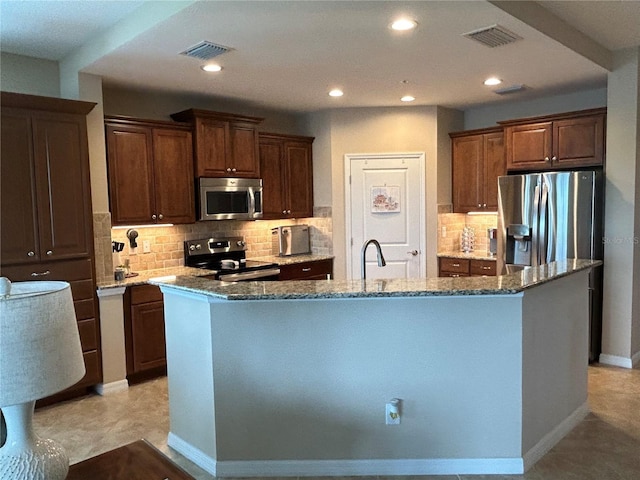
292	259
475	255
323	289
144	276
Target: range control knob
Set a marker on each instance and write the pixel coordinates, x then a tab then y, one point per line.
240	243
192	247
198	246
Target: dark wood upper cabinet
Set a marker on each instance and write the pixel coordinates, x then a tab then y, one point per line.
46	198
150	167
287	174
477	162
555	142
225	145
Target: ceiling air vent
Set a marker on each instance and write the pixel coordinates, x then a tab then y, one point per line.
205	50
511	89
493	36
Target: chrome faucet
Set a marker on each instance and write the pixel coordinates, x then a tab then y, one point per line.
363	254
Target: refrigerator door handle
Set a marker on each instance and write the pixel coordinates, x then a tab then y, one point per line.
535	238
543	239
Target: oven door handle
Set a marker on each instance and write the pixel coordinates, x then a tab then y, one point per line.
254	275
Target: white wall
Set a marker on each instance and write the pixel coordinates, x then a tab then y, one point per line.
33	76
481	117
621	323
160	105
384	130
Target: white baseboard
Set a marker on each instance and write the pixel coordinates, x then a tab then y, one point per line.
617	361
341	468
547	442
194	454
111	387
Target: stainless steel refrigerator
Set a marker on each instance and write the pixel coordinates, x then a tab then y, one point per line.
544	217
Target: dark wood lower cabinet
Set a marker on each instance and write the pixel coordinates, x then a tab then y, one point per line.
313	270
79	274
144	332
464	267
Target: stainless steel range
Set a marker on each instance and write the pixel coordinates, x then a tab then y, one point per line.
226	257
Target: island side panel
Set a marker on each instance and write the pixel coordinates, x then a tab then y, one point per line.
555	357
190	375
308	380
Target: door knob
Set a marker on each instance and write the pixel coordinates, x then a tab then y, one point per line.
413	252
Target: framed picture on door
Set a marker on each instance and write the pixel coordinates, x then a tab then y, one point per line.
385	199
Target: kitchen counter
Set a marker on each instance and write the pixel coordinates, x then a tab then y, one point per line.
499	285
475	255
144	276
292	259
491	372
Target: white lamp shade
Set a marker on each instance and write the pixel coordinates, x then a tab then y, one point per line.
40	351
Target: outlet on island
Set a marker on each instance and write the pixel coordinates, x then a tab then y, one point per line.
146	246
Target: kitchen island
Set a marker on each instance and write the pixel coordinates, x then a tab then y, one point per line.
292	378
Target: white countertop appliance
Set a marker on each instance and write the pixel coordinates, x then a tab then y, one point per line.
290	240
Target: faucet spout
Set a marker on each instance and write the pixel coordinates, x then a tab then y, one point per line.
363	255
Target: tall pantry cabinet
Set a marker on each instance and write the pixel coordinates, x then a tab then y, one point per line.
46	225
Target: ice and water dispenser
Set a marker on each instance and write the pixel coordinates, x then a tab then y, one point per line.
518	245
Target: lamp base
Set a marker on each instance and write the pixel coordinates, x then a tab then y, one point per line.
25	456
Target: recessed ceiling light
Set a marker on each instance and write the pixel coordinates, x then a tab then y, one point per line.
403	24
407	98
211	67
336	92
492	81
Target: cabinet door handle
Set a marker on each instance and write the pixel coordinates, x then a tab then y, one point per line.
160	216
308	269
228	169
233	170
413	252
546	159
479	205
288	211
284	211
31	253
49	252
554	158
41	274
153	217
484	205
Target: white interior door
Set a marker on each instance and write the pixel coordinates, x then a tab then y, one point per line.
385	202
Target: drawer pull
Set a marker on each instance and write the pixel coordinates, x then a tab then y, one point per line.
41	274
486	268
308	269
455	264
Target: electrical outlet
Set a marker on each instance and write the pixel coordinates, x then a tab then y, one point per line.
392	412
146	246
443	232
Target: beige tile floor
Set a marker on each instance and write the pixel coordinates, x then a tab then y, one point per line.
605	446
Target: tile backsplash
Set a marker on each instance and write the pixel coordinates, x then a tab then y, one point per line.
450	227
166	243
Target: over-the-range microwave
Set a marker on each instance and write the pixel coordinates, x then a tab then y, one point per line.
230	199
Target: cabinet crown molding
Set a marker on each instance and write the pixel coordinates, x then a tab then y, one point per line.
555	116
192	113
49	104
